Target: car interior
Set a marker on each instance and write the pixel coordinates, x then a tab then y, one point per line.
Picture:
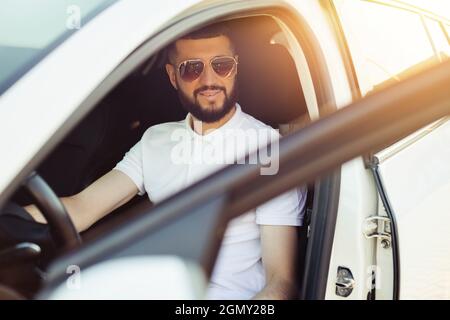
269	90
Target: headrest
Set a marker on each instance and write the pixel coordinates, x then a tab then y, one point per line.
269	86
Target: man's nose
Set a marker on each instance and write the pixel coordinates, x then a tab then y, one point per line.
208	76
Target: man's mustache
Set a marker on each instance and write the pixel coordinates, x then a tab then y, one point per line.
204	88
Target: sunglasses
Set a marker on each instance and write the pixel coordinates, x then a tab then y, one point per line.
192	69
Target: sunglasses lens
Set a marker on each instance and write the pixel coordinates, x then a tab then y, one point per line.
223	66
191	70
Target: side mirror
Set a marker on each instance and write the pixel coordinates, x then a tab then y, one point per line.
137	278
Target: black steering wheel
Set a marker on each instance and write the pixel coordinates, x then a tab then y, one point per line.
22	238
62	229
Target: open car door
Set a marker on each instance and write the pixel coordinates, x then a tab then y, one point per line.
413	182
191	223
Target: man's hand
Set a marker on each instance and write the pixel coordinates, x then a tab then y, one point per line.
279	257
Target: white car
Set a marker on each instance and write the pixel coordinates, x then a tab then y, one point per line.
359	88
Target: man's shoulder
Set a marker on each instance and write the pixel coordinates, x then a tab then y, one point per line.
162	131
251	123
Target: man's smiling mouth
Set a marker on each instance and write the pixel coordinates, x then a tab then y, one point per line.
210	93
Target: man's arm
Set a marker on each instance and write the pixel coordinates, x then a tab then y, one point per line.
93	203
279	257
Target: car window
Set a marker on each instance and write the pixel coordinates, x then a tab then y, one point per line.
29	31
440	41
384	42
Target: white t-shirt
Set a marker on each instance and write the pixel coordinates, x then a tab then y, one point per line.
171	156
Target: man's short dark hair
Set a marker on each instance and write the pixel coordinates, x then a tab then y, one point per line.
210	31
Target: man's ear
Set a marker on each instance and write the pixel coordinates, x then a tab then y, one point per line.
172	76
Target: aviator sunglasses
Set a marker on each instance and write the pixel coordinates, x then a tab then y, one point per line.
191	69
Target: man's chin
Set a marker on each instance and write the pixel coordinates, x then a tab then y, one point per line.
211	115
207	111
211	107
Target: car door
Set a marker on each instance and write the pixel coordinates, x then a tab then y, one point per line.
315	150
412	175
415	178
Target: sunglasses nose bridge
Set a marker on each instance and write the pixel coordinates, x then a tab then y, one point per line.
208	75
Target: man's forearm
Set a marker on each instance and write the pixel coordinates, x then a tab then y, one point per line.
68	202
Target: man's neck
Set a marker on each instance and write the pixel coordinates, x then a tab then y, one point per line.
205	128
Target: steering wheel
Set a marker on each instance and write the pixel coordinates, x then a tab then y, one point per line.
22	238
62	229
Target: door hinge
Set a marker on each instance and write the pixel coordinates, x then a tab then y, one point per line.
378	227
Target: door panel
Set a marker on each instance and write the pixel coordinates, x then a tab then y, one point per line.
416	179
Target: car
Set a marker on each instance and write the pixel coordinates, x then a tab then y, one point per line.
363	108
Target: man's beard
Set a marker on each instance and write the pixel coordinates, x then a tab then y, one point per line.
209	114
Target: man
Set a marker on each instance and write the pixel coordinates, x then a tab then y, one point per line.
257	256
